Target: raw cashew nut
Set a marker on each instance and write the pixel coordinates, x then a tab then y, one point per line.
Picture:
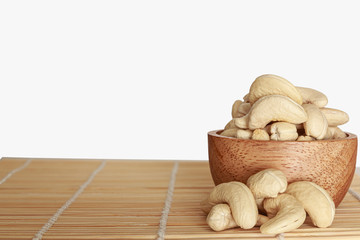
283	131
316	125
313	96
235	109
240	200
272	108
244	108
285	212
335	117
305	138
316	201
244	134
220	218
270	84
335	133
231	132
230	124
267	183
260	134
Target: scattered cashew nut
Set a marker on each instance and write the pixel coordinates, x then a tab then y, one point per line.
316	201
286	214
240	200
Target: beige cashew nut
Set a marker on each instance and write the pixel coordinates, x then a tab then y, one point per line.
231	132
267	109
240	200
316	201
270	84
285	212
235	109
266	183
283	131
335	117
313	96
316	125
244	134
260	134
219	218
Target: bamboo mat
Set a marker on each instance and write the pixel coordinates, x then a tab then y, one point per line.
128	199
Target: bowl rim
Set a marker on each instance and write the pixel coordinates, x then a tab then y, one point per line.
216	133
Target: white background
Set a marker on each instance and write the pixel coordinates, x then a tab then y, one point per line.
149	79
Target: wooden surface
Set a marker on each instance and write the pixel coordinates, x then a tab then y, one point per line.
126	199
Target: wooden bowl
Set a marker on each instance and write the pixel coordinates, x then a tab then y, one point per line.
328	163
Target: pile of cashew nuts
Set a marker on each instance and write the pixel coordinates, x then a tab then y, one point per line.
269	202
274	109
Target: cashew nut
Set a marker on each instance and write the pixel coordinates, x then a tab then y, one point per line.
244	108
244	134
316	125
335	133
283	131
316	201
313	96
235	109
231	132
240	200
230	124
260	134
267	183
285	212
272	108
335	117
219	218
304	138
270	84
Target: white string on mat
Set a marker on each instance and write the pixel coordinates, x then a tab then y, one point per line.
54	218
167	205
15	171
280	236
355	194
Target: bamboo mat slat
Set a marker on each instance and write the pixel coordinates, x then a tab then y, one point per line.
126	199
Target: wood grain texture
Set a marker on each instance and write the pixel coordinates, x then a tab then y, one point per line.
125	200
329	163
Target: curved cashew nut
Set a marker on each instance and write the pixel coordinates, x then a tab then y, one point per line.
235	109
335	117
285	212
240	200
260	134
316	201
244	108
316	125
220	218
230	124
283	131
313	96
270	84
267	109
335	133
